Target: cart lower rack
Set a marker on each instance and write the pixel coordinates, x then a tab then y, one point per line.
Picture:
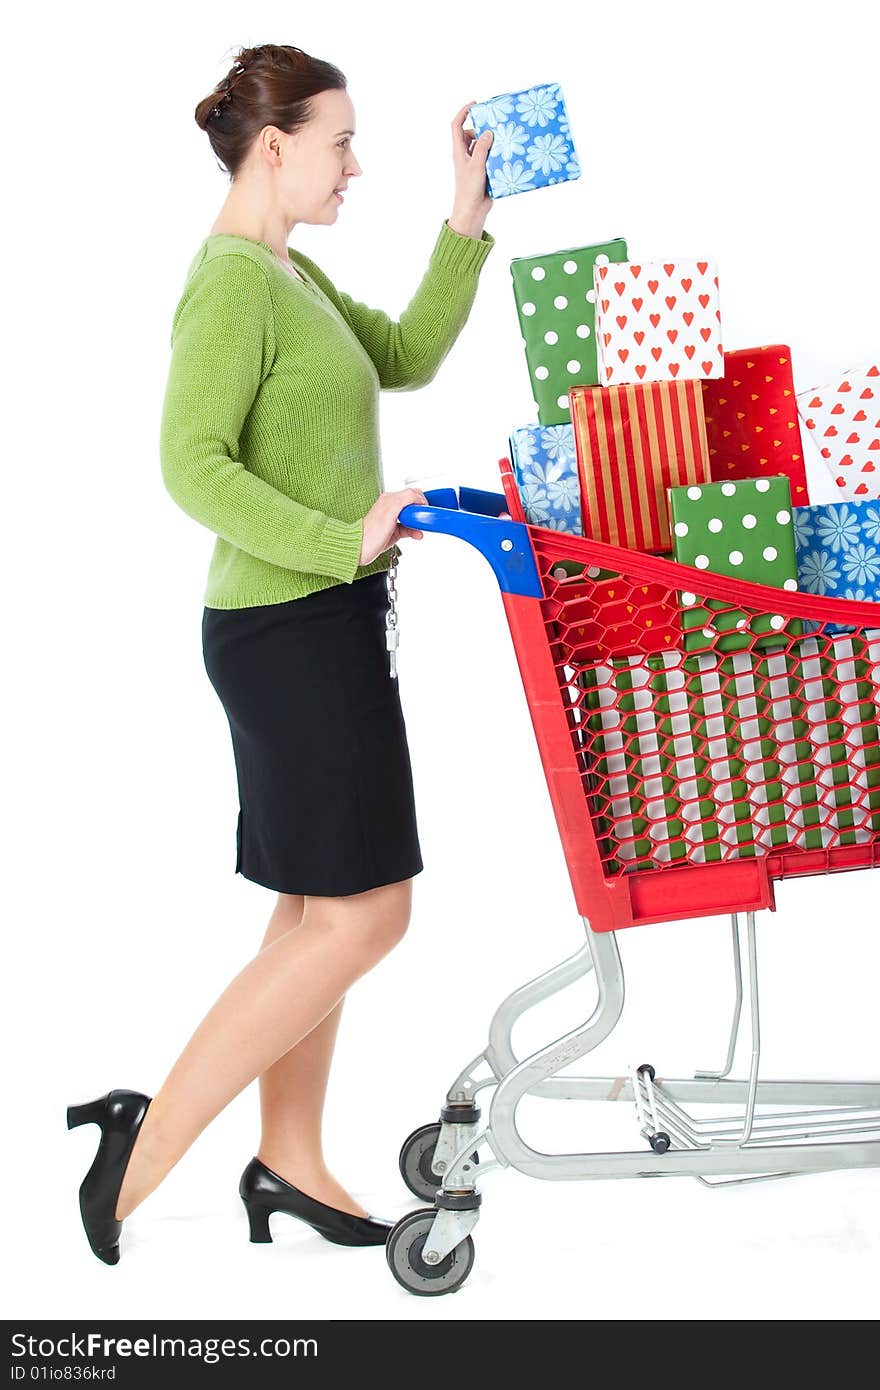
688	774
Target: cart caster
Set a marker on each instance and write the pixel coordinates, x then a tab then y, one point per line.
646	1068
403	1251
415	1160
660	1142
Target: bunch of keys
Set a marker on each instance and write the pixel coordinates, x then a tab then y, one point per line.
391	620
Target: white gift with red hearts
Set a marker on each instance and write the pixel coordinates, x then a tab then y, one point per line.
657	321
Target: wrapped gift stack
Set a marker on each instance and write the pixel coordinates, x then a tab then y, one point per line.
716	736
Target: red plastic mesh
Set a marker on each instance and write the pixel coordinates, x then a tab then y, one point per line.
763	737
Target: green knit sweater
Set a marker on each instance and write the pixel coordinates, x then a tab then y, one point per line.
270	424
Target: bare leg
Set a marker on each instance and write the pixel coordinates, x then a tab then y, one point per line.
293	1090
281	995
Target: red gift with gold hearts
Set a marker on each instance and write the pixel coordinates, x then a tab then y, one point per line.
752	419
843	420
632	443
657	321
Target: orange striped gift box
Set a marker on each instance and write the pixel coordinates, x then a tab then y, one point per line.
632	443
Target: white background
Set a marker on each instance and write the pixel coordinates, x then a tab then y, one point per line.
746	133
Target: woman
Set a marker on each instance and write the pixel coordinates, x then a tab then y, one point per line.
269	437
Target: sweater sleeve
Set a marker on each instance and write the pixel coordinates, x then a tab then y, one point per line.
408	353
223	346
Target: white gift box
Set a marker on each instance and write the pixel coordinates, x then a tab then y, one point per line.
843	421
657	321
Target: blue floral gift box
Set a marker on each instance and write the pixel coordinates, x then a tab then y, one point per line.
838	551
532	145
545	467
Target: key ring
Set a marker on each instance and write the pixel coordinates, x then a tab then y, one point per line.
391	618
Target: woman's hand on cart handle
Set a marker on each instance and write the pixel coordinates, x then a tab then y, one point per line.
381	527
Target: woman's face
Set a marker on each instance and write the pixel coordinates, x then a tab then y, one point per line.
318	159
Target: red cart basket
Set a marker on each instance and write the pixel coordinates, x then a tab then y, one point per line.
688	773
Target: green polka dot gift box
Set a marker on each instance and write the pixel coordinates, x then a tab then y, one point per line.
704	758
743	529
556	307
687	763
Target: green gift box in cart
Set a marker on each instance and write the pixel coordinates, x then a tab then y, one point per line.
742	529
834	684
704	758
681	761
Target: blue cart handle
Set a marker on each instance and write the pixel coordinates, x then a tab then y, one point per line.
474	516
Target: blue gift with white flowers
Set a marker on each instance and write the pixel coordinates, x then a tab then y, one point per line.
838	551
532	145
545	468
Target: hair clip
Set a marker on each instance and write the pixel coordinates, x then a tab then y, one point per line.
240	69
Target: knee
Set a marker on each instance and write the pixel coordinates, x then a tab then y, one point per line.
290	904
388	914
378	918
392	924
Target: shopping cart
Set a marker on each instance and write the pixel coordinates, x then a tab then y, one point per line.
687	776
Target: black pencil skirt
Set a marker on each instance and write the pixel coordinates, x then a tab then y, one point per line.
326	804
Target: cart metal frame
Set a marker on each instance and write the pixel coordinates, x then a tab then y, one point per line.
767	1128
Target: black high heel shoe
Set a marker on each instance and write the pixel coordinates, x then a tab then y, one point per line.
120	1114
263	1192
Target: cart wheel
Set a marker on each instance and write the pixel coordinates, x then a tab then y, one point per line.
416	1157
646	1067
660	1142
403	1251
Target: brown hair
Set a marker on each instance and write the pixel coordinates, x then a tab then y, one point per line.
268	85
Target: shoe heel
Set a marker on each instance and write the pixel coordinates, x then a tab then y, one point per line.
92	1112
258	1220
